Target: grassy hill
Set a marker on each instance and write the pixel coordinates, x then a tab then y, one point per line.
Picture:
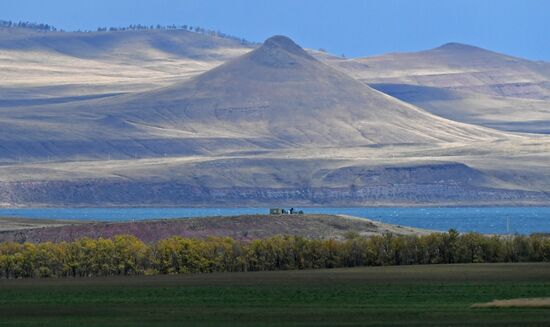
275	97
58	66
248	227
268	125
463	83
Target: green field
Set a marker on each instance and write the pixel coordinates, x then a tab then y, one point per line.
397	295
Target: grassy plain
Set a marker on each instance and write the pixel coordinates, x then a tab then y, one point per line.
377	296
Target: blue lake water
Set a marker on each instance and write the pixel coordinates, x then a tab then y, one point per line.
498	220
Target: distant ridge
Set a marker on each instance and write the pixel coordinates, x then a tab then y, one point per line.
133	27
461	54
464	83
275	96
28	25
282	95
453	46
173	117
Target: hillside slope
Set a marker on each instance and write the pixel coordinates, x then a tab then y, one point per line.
456	66
249	227
274	97
274	125
463	83
479	86
37	67
486	88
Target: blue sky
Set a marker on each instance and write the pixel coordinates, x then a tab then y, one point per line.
350	27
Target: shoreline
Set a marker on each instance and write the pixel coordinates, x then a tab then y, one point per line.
373	206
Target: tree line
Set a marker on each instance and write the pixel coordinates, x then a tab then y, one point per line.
196	29
30	25
127	255
132	27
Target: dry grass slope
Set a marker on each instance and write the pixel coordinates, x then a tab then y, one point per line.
462	83
247	227
133	118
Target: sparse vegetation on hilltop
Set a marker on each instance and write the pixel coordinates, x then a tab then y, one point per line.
132	27
29	25
196	29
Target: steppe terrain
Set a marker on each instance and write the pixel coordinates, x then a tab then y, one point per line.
463	83
172	117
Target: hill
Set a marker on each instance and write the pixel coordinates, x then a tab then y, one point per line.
458	67
40	67
275	97
274	125
455	81
280	94
463	83
247	227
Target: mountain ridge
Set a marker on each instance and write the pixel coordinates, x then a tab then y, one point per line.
482	87
274	124
279	79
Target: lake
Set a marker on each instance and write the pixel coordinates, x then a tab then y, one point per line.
498	220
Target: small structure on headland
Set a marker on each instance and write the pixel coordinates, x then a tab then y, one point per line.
283	211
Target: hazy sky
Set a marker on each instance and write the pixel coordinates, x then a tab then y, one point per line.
350	27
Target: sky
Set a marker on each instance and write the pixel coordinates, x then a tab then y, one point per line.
352	28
